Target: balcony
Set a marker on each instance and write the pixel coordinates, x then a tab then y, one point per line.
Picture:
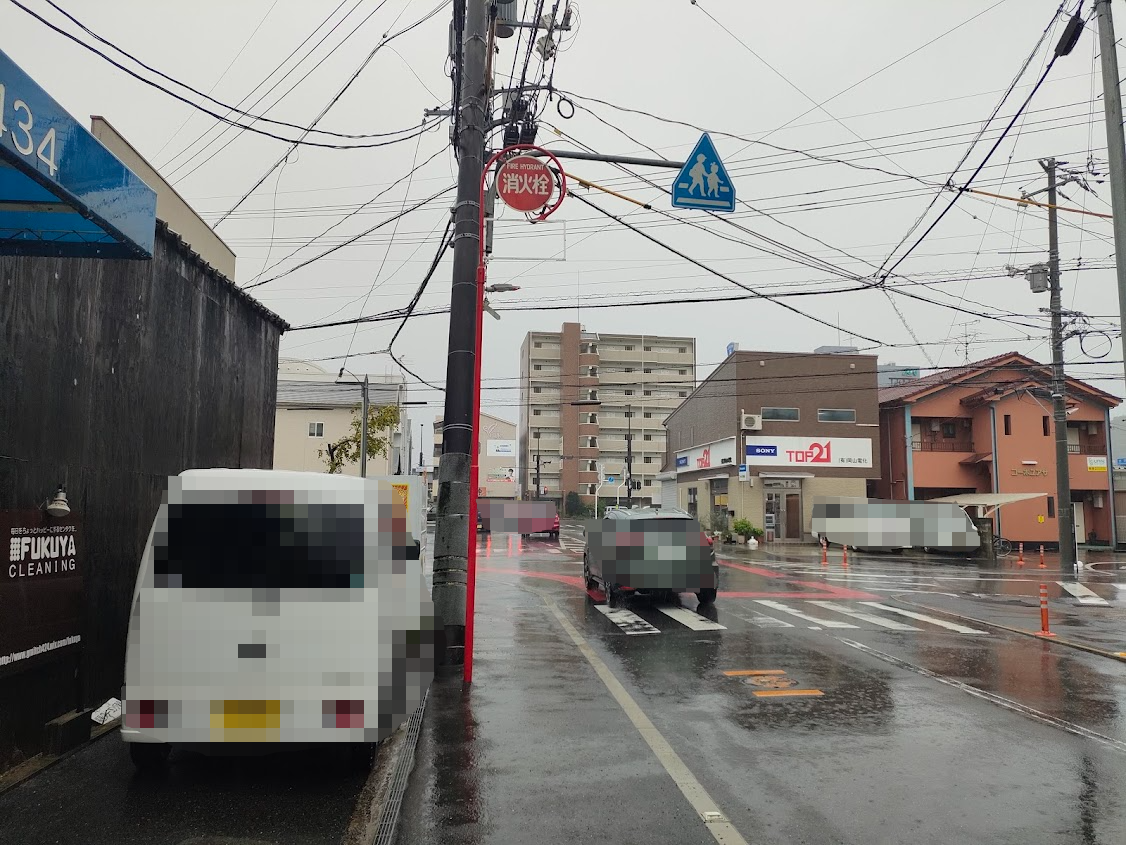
942	445
1086	448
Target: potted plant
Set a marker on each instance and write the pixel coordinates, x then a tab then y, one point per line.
743	528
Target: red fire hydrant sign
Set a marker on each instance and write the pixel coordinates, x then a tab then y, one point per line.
525	183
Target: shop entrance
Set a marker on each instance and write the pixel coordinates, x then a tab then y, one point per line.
782	508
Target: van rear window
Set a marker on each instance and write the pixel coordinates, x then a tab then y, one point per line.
261	545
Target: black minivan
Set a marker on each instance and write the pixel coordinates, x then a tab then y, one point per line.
646	551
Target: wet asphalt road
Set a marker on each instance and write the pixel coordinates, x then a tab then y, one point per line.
928	735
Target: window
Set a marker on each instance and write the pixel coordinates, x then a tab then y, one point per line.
648	437
682	349
682	393
593	418
648	415
648	369
592	466
648	348
537	389
591	442
629	415
537	345
1008	423
535	435
1051	507
682	372
629	393
845	415
628	347
1044	421
648	459
537	366
592	489
592	371
628	370
648	392
948	430
316	429
781	414
536	412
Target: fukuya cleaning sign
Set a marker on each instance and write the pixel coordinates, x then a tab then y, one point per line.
40	587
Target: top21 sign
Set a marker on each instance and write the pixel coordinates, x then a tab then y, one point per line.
525	183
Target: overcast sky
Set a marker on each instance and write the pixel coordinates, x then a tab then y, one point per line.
882	148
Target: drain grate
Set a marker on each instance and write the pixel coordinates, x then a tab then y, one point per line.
389	818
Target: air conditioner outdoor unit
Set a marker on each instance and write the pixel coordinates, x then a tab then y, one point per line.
752	422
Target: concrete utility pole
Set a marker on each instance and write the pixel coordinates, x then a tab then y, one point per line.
1059	407
629	456
1116	150
364	430
451	531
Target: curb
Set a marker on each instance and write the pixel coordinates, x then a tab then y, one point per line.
28	769
1121	657
387	826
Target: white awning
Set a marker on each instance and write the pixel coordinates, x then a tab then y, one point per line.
990	501
786	475
714	478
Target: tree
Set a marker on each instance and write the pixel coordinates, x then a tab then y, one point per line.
573	505
346	450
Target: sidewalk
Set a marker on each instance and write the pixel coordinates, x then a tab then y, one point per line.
536	750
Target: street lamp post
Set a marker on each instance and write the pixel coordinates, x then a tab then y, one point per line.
475	446
363	418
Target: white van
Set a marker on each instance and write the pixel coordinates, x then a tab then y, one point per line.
278	608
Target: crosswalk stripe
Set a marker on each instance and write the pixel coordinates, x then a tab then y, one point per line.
921	617
690	619
828	623
1084	594
627	620
867	617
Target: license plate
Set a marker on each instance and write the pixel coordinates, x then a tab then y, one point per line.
247	715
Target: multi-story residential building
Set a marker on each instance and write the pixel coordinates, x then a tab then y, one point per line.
582	394
496	470
987	427
768	432
313	410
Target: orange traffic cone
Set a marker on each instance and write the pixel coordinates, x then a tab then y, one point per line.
1042	566
824	553
844	556
1020	556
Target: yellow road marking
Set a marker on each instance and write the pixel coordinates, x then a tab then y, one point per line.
741	672
774	693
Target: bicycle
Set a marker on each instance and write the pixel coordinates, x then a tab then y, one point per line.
1002	547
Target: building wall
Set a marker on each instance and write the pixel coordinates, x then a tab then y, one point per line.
294	449
117	375
491	470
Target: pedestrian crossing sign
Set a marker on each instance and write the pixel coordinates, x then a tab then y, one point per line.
703	182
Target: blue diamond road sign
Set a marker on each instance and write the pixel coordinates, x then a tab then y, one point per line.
703	183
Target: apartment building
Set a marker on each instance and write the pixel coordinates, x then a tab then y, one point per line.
768	432
582	394
986	427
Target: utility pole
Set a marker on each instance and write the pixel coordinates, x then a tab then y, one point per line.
629	456
364	431
538	488
1116	149
451	533
1059	406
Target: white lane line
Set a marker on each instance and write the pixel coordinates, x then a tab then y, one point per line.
627	620
762	620
1084	594
991	697
715	821
828	623
690	619
867	617
922	617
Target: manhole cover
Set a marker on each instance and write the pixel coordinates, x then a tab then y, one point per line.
771	682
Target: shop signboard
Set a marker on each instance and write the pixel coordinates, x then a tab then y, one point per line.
721	453
40	588
500	448
809	451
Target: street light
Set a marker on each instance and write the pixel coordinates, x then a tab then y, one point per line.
474	474
364	418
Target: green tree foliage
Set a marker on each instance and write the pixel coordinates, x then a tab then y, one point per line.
573	505
381	422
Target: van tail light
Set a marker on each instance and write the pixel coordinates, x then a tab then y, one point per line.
342	714
146	714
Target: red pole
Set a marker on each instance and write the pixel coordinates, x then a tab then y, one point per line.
824	552
844	556
1044	631
471	553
